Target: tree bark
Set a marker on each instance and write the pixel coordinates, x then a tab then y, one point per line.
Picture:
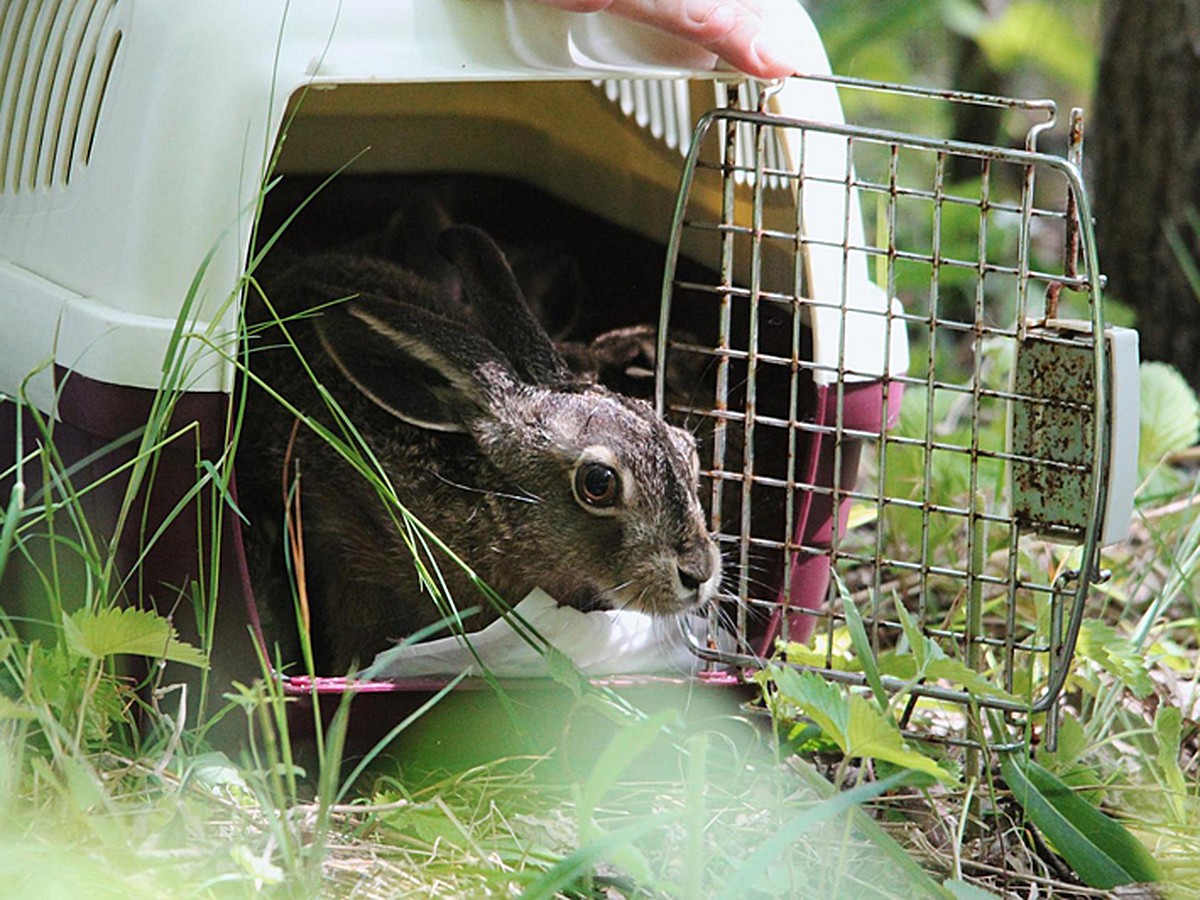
974	72
1145	146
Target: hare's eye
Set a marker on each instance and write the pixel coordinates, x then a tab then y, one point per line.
597	485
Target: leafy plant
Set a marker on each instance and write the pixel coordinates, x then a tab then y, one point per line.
859	728
1100	850
1170	423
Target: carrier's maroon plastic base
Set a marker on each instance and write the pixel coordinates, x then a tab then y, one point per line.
97	433
863	410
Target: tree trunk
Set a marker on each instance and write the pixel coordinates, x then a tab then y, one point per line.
1145	146
974	72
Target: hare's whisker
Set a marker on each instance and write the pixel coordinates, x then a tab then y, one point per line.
520	498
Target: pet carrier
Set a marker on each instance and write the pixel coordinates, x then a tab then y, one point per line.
131	202
1017	427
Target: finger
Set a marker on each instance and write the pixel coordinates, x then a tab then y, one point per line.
751	35
579	6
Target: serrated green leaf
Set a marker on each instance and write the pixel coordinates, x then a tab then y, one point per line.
1170	414
820	700
1168	732
1115	654
107	632
855	724
872	736
1102	852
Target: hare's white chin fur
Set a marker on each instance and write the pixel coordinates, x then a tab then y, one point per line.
703	594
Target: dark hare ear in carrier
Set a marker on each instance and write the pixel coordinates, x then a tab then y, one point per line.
424	369
499	307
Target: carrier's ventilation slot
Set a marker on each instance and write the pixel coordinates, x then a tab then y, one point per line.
55	60
659	106
662	107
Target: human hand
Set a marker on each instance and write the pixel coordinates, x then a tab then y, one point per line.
751	35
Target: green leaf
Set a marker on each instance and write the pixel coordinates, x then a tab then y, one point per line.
1100	849
215	773
803	655
862	646
1073	741
107	632
1170	415
855	724
872	736
962	890
11	709
1067	761
1168	733
817	698
1116	654
927	660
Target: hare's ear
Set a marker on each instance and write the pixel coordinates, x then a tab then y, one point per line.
422	368
500	307
410	238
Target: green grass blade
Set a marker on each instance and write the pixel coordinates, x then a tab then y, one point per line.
577	864
862	645
756	864
8	528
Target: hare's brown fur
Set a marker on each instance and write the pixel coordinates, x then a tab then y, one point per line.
481	430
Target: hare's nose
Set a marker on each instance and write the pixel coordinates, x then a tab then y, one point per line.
695	569
690	579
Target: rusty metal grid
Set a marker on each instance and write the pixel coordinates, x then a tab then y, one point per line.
979	245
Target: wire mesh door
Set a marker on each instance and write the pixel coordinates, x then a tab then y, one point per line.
893	375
